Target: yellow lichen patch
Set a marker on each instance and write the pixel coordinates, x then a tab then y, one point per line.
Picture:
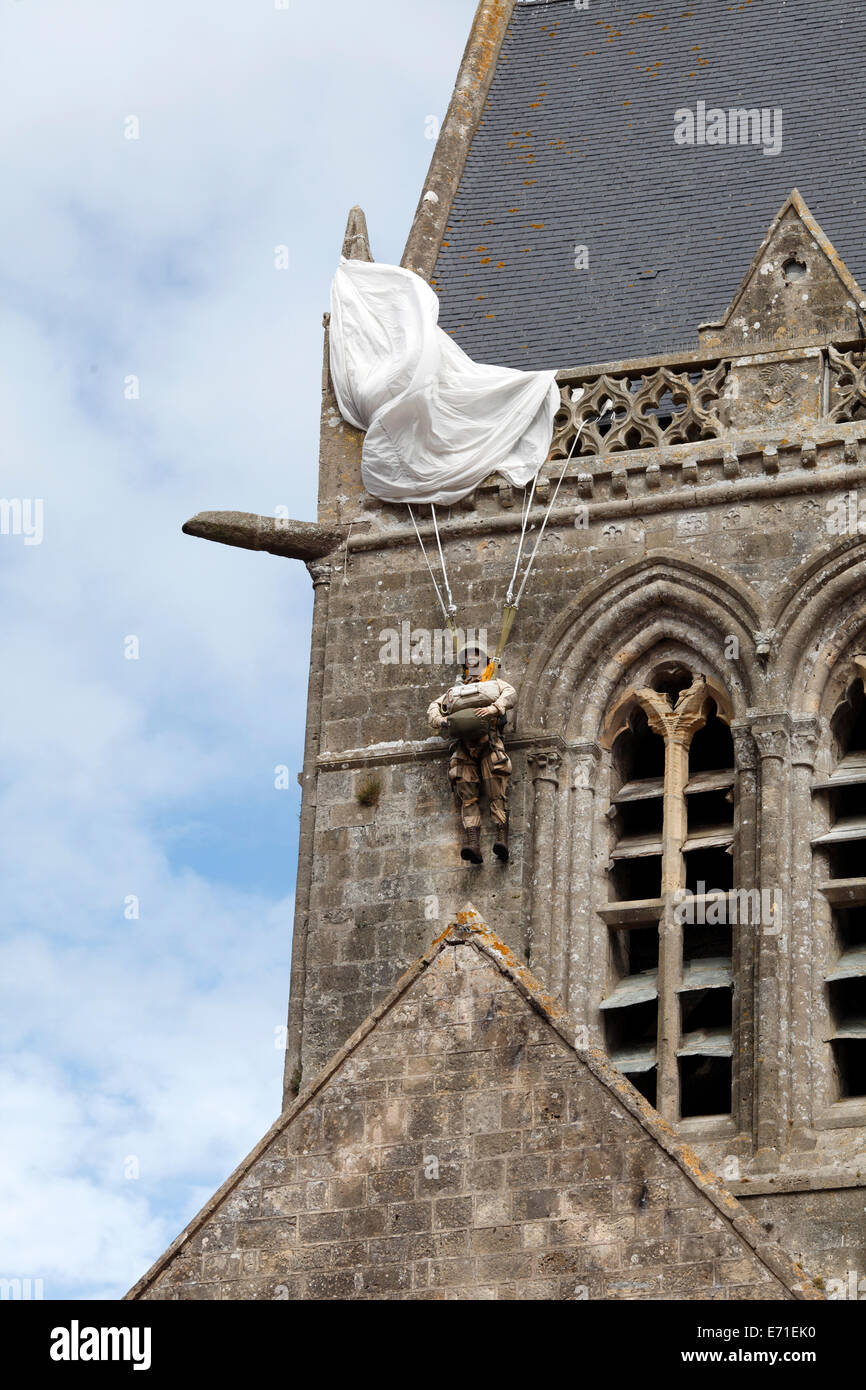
536	226
500	265
485	260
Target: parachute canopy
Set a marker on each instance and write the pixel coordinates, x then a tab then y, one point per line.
437	423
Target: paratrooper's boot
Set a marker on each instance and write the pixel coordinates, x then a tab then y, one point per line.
500	844
471	850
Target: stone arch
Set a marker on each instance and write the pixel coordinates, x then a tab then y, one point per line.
663	599
821	621
619	713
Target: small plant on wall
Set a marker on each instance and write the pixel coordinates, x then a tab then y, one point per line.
369	791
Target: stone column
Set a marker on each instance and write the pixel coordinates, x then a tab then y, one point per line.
677	725
580	833
559	913
545	764
677	741
804	744
771	733
320	573
744	934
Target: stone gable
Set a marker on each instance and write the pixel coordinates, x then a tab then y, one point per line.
461	1146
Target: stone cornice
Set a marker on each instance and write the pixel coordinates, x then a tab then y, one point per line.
599	502
432	749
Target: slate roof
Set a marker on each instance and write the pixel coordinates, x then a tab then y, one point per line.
575	147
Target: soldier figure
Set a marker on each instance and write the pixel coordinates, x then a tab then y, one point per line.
472	714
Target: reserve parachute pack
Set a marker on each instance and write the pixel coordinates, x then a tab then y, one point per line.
460	706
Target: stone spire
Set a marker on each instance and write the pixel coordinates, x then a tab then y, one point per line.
356	242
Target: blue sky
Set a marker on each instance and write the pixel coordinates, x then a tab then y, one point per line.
154	363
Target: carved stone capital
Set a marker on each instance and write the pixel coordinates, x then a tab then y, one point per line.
585	770
745	752
805	734
772	737
320	573
676	723
545	764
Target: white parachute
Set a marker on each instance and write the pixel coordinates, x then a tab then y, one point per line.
436	422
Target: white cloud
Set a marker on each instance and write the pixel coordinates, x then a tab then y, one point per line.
154	1037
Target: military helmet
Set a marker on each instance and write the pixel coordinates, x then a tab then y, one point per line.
478	647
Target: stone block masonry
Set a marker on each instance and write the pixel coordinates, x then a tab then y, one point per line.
460	1147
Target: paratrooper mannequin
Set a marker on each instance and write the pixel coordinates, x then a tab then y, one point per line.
472	714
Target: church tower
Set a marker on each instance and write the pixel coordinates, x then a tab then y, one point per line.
645	202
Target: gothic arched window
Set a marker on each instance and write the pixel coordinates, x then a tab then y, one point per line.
668	1008
840	855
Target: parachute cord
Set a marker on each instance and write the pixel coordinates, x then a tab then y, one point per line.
606	411
527	508
452	607
449	622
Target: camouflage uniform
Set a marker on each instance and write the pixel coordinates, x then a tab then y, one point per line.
476	762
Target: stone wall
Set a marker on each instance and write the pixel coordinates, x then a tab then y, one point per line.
735	549
460	1147
825	1227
